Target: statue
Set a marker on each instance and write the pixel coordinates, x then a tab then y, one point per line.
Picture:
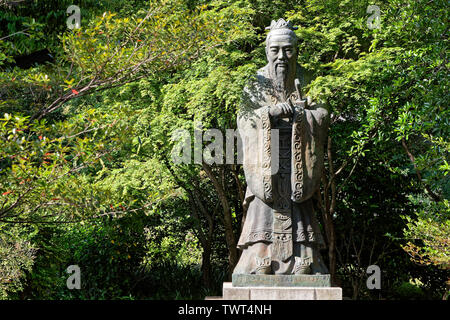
281	234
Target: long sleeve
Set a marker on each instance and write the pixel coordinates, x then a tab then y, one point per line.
308	138
255	133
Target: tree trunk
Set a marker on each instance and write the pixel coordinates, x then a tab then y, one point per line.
327	205
235	172
228	221
329	217
329	229
205	239
206	265
330	234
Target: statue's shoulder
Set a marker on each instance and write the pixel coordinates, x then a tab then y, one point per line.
254	95
258	87
260	81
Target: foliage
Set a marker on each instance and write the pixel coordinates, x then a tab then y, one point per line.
16	258
432	227
409	290
41	165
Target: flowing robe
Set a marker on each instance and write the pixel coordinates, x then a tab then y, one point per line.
283	164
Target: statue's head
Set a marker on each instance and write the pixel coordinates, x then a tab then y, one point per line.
281	49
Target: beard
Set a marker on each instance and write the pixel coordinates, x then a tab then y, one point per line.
280	78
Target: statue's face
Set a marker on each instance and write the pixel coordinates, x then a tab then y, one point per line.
281	55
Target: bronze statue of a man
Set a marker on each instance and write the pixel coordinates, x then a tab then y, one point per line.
283	139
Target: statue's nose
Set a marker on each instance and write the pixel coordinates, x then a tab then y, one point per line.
281	55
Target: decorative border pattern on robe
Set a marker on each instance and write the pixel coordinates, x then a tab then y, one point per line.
267	155
297	161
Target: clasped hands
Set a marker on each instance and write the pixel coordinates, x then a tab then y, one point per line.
287	109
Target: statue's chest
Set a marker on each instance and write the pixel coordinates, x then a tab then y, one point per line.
283	177
284	128
271	98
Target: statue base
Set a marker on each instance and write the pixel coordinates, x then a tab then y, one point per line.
281	280
280	293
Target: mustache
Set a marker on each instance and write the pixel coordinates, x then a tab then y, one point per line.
281	71
281	63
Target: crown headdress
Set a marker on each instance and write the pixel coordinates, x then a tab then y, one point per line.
281	24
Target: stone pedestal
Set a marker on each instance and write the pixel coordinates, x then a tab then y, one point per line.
280	293
281	280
